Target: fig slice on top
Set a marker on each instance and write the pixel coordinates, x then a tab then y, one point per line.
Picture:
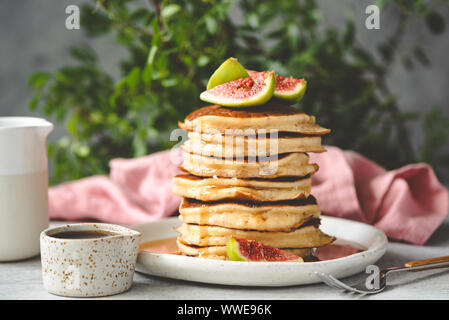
288	89
243	92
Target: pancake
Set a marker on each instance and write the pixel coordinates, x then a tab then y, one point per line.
218	188
306	236
271	116
221	146
290	164
219	252
262	216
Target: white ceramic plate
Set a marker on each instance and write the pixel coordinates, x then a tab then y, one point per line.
261	273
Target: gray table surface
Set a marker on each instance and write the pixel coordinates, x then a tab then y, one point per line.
22	280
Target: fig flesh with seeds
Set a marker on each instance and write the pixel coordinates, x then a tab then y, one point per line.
243	92
249	250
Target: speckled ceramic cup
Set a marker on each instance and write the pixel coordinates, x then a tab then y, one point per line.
89	267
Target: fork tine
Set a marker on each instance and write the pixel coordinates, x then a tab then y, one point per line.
335	283
344	286
330	283
323	277
327	280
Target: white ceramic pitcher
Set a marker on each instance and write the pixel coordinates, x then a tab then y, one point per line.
23	185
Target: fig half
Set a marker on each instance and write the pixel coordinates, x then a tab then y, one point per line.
249	250
244	92
289	90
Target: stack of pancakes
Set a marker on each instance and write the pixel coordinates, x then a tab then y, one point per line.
248	176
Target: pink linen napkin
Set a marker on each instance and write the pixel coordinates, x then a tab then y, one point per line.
136	191
407	203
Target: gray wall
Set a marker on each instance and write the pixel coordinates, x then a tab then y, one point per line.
33	37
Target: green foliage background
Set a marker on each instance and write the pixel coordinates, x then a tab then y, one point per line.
174	46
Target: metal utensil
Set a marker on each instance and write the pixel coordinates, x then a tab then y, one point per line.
361	288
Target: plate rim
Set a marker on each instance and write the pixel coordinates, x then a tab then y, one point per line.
381	246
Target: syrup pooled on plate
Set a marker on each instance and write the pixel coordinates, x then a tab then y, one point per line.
332	251
336	250
167	245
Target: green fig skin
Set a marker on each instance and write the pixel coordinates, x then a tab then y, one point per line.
228	71
293	96
233	251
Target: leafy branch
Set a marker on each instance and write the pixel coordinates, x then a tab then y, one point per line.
173	48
